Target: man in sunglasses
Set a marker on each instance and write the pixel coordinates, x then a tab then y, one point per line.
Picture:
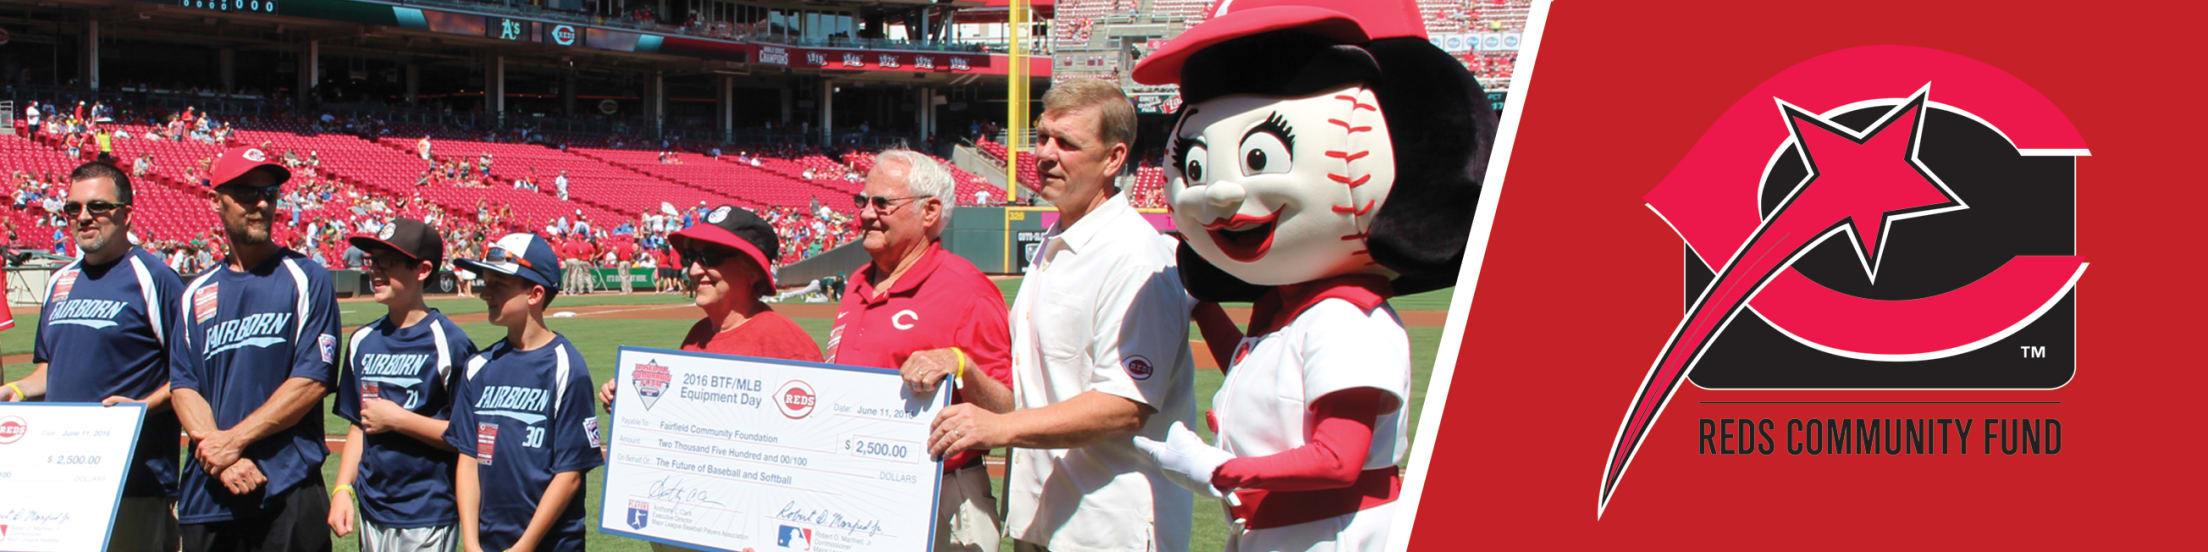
932	315
100	339
250	358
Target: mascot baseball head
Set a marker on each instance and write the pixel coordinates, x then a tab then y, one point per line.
1320	138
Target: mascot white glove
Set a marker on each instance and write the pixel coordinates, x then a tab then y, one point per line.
1187	459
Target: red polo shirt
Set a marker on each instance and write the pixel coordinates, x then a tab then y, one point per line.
943	301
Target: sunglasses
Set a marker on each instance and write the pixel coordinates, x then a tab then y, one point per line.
248	193
710	256
879	203
499	255
98	207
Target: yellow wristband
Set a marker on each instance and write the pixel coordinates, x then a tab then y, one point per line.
961	373
347	489
19	391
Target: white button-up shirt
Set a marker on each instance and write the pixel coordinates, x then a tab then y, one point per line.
1101	309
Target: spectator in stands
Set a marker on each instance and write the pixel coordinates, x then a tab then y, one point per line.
561	182
422	148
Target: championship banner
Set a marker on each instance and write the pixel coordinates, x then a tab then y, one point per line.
61	472
735	453
1906	280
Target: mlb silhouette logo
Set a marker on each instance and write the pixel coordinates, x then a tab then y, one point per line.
640	514
794	538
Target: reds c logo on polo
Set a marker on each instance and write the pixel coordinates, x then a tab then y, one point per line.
1874	218
1139	367
904	319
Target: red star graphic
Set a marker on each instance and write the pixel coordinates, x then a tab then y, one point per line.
1870	178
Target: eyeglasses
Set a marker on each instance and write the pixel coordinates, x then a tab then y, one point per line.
244	193
497	255
98	207
880	204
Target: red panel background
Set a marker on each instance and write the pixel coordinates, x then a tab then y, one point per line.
1581	287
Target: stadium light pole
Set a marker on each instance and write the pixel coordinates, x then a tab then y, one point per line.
1015	108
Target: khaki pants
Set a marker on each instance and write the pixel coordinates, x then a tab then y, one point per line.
966	512
443	538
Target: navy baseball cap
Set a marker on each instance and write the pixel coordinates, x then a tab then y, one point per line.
522	255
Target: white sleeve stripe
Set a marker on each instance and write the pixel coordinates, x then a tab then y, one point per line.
185	312
152	296
561	375
305	306
360	336
444	353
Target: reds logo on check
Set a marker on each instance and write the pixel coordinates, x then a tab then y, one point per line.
796	399
13	429
651	381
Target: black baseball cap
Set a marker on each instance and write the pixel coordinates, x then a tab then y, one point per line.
738	229
409	237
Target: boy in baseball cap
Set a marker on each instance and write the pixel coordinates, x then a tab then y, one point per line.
397	390
523	419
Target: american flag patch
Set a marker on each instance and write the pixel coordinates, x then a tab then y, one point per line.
204	303
62	285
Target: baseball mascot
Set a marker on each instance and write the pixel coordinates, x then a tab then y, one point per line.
1328	157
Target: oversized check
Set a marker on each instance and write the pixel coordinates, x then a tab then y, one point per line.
733	453
61	472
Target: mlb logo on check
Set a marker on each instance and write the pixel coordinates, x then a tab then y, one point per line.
640	514
651	382
794	538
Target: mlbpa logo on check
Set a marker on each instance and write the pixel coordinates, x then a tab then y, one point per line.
651	381
1874	218
640	514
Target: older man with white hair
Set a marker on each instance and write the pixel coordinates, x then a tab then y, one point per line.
932	315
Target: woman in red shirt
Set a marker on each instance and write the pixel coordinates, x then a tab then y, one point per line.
727	254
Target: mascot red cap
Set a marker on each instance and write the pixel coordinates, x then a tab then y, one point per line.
1327	157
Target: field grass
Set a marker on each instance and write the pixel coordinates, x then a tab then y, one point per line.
600	338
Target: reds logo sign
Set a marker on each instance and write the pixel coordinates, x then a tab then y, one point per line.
651	381
796	399
12	429
563	35
1874	218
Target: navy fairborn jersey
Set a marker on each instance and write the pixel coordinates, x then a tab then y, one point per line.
526	416
404	483
240	336
103	333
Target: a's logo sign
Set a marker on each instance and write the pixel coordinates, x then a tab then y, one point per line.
1874	218
796	399
12	429
640	514
1138	367
651	381
563	35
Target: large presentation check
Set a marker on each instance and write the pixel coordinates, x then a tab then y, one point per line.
61	472
732	453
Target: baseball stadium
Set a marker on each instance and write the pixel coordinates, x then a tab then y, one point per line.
604	127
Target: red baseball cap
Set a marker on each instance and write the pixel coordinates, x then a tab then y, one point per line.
1349	21
239	161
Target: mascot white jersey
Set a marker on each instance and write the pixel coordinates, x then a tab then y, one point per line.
1328	157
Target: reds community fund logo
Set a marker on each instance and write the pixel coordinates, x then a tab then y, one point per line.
13	429
1874	218
796	399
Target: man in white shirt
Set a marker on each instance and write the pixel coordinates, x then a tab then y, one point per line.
1099	351
561	182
